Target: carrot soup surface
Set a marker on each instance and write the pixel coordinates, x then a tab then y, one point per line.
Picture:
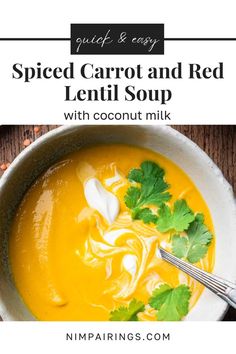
73	261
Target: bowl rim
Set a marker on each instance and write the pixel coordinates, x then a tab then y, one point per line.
165	128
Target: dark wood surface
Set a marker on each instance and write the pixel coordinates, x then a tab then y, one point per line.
219	142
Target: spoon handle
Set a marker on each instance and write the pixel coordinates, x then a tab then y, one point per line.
223	288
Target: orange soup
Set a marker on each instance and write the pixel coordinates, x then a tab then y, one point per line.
72	260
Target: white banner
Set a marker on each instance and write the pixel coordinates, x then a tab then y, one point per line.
194	82
117	101
91	337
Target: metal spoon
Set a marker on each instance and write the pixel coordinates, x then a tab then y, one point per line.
223	288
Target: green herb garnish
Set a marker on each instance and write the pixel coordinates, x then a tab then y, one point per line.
146	215
128	313
172	304
151	191
179	219
194	244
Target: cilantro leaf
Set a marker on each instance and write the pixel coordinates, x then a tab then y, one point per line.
172	303
131	197
128	313
151	178
151	190
179	246
194	245
148	169
178	220
136	175
145	214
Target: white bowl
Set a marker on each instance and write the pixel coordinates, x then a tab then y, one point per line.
163	139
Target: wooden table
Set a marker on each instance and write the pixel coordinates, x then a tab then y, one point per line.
219	142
